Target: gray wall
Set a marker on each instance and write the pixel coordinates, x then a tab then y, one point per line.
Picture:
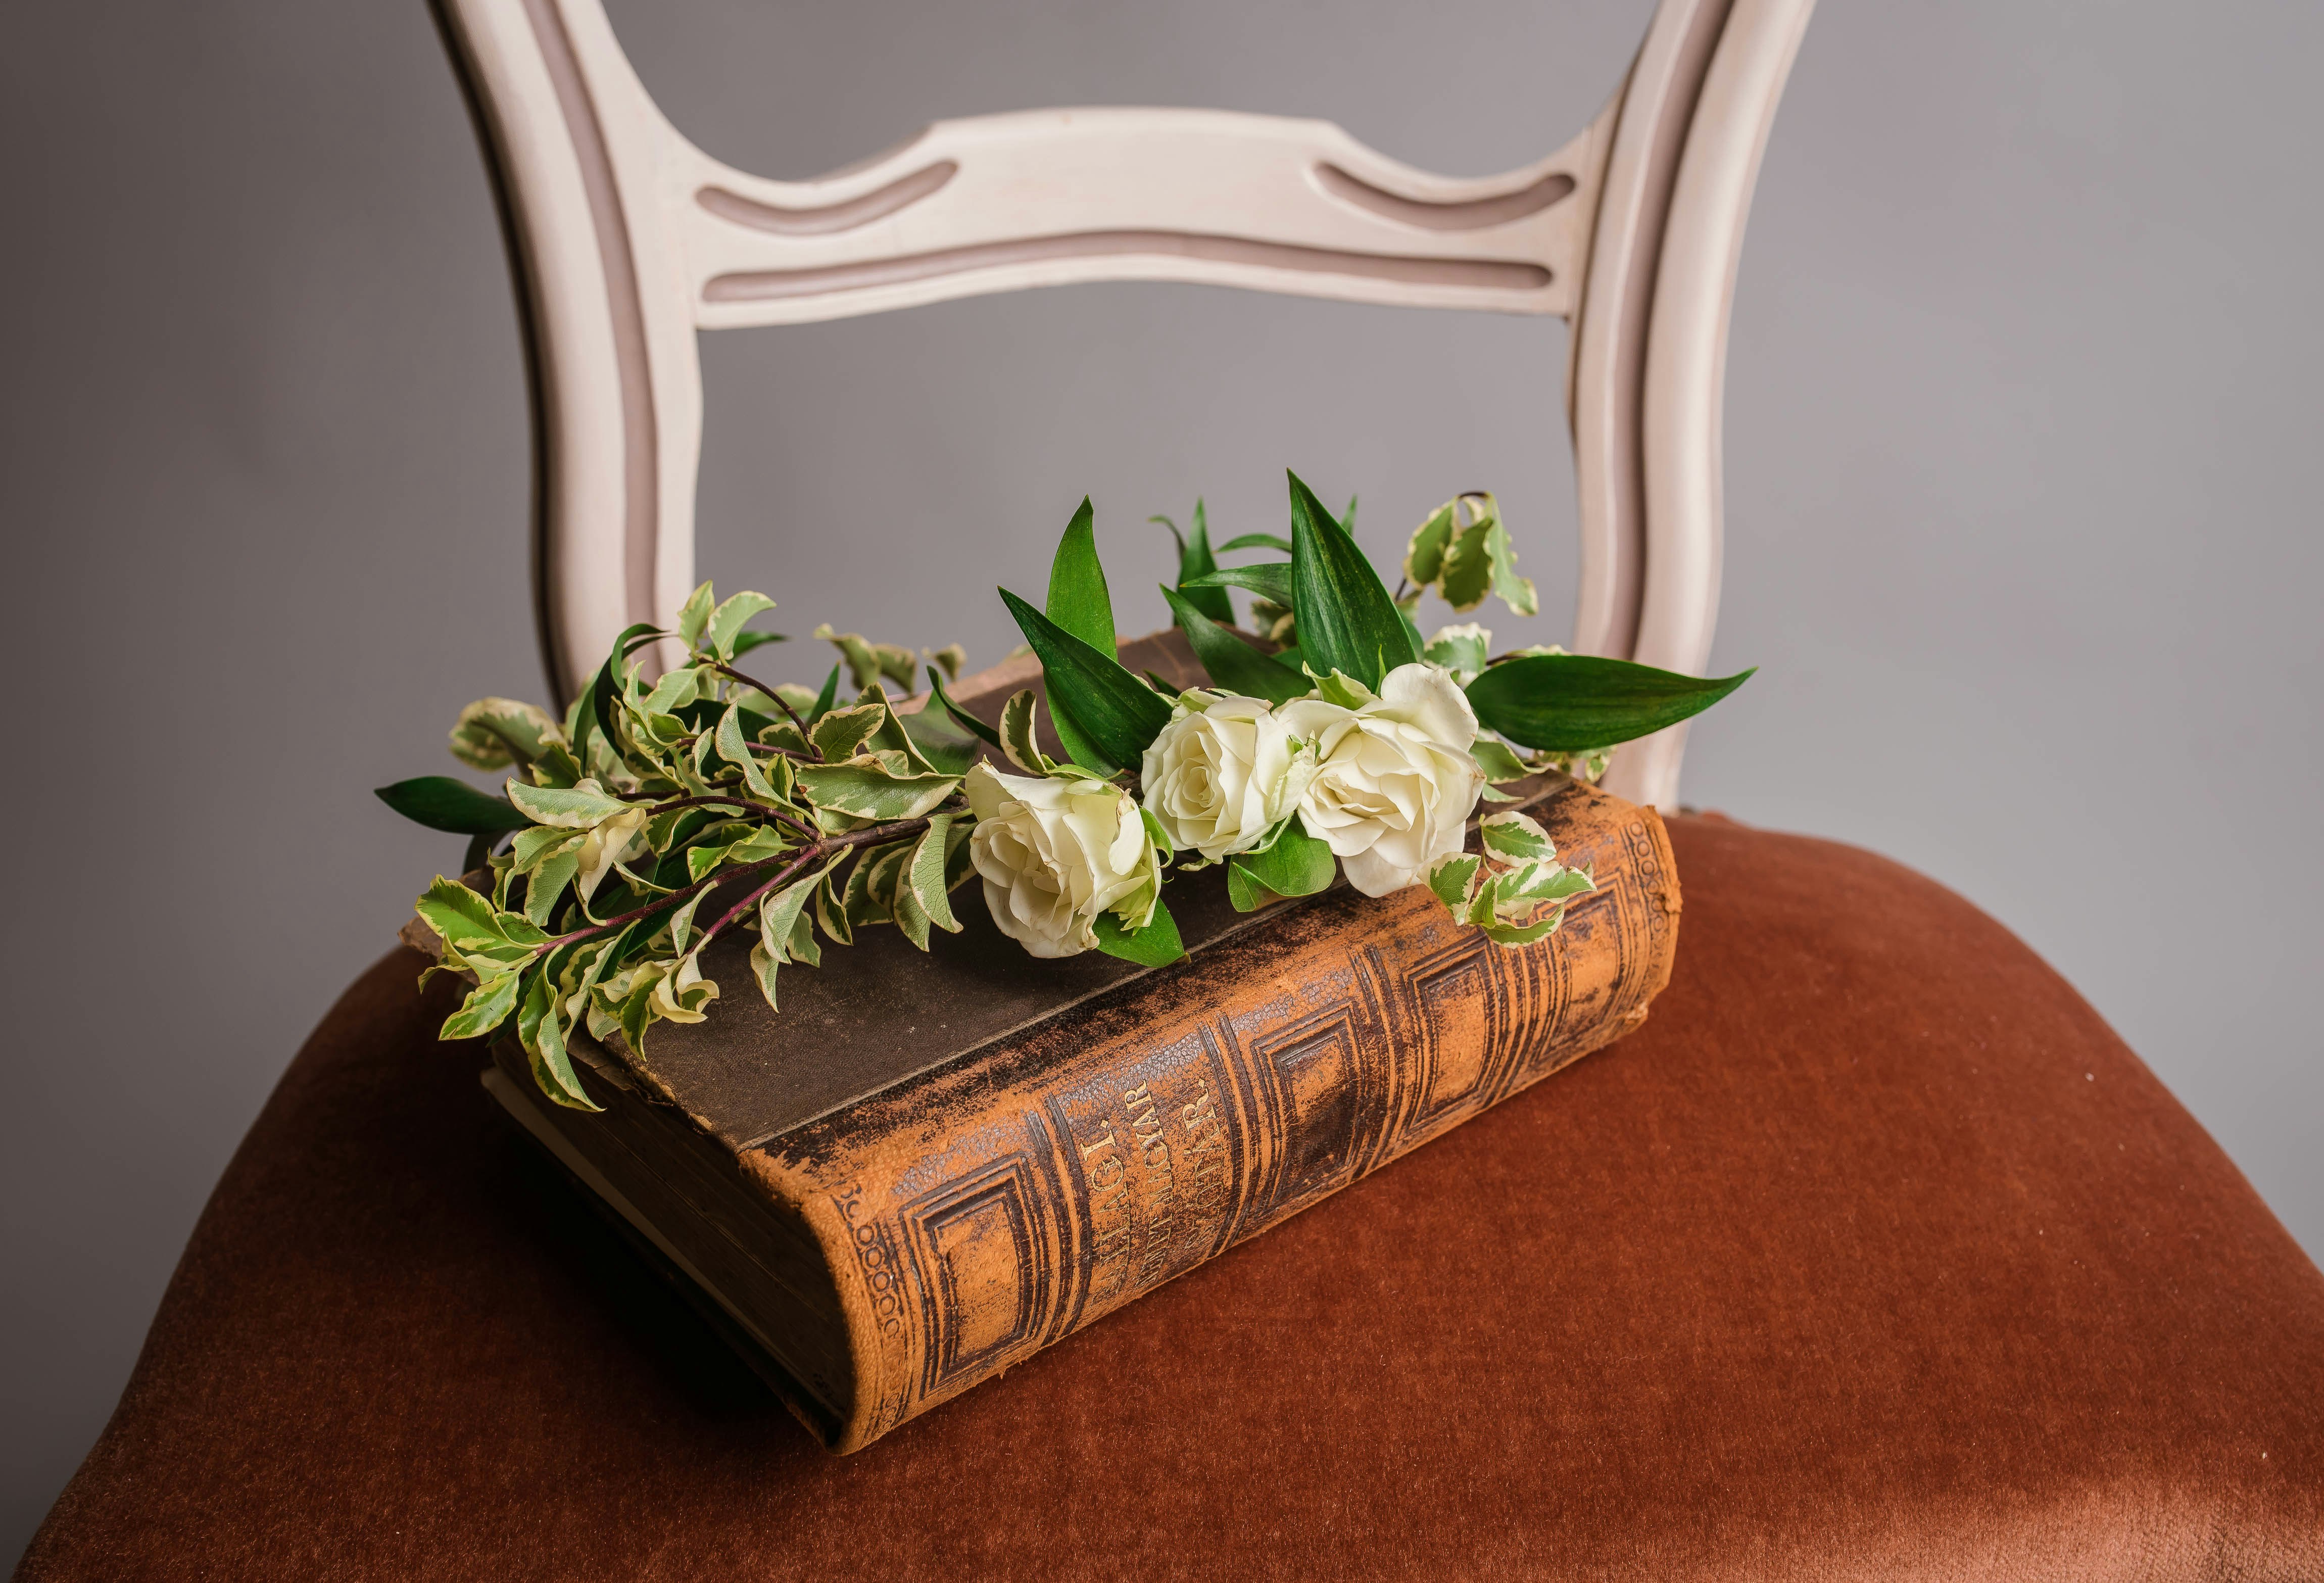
2022	503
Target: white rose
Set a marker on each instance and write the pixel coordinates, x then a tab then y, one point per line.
1394	784
1222	773
1055	854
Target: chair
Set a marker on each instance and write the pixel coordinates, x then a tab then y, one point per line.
1873	1254
629	239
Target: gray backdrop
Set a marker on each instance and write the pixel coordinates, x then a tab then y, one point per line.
2022	521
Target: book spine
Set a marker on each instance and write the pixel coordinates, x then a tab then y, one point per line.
990	1207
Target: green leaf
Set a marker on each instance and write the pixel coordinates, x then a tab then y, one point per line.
1119	713
830	913
746	642
924	879
942	745
864	788
1468	573
1295	863
1454	881
780	912
871	885
1545	882
734	747
1247	894
597	705
1423	557
1194	561
825	698
443	803
984	732
838	733
1232	663
727	621
1079	747
1269	580
695	616
1016	742
1516	592
571	808
1462	649
494	733
1256	541
548	882
1503	934
802	947
1513	838
1157	945
1346	620
681	922
1569	702
863	660
763	964
552	1066
1078	599
486	1008
538	842
460	917
1493	757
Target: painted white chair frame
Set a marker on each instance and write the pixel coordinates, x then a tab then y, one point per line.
626	240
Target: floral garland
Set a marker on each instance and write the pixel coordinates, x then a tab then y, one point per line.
660	813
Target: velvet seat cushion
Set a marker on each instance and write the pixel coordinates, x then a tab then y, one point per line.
1874	1254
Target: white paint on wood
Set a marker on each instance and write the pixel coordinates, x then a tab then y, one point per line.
1686	365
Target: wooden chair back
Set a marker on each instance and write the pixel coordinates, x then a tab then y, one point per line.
628	240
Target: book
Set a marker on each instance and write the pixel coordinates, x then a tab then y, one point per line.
925	1167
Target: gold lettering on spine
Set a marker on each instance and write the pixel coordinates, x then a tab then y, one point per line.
1113	1239
1207	1187
1157	1193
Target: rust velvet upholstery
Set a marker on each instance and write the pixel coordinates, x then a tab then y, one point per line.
1873	1254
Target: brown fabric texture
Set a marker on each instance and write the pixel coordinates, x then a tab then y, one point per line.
1873	1254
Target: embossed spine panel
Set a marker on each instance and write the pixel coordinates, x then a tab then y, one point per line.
980	1212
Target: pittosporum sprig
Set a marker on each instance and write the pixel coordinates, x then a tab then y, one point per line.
661	812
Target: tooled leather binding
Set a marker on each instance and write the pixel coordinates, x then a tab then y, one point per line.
998	1154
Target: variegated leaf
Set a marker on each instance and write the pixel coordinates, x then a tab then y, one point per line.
486	1008
573	807
924	878
1516	837
1016	721
839	733
695	616
864	789
494	733
727	622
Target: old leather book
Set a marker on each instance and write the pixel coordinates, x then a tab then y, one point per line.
924	1168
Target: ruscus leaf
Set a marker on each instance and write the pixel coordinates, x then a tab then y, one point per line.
1078	600
1269	580
443	803
1231	665
1119	713
1346	620
1569	702
984	732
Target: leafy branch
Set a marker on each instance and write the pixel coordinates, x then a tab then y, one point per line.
809	815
